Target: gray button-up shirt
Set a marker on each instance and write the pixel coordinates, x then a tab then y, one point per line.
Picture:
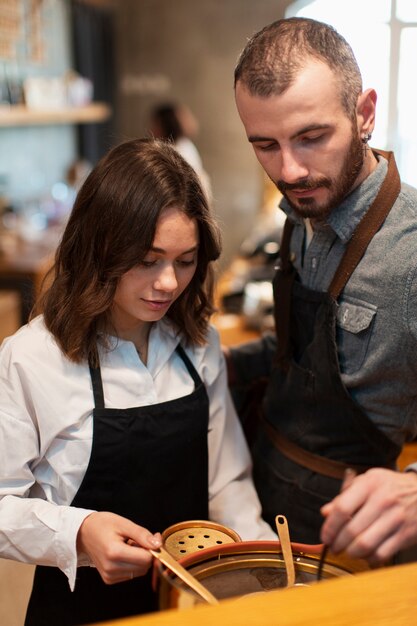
376	330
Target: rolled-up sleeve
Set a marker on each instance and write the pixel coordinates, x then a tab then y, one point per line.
32	530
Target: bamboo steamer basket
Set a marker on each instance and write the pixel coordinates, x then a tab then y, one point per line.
231	568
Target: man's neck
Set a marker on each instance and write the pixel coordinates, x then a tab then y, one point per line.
369	165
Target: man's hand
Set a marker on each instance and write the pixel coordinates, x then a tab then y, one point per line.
374	517
116	546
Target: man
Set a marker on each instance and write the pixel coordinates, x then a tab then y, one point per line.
342	377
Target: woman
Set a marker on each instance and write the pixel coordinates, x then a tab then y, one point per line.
115	417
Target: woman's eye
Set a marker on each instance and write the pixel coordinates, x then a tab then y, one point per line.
186	263
146	263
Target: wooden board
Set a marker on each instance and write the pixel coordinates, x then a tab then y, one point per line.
384	597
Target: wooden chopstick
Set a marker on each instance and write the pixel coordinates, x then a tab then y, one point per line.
168	560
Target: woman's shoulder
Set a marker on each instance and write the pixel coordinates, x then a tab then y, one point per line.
32	359
169	332
32	338
31	329
208	356
213	337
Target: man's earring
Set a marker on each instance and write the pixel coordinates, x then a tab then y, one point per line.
365	138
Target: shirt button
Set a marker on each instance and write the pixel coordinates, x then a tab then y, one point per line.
313	263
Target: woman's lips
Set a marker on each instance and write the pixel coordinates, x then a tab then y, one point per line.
157	305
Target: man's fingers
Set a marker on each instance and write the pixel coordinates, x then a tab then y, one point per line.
340	511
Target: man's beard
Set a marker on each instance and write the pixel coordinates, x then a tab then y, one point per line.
339	187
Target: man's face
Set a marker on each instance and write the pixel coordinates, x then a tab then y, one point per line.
305	141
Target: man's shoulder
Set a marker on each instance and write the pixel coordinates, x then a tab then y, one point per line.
408	195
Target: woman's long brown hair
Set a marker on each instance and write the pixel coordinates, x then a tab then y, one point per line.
110	230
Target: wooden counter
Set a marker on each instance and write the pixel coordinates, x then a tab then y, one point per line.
24	265
29	259
384	597
232	329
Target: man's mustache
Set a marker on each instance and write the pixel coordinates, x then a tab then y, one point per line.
303	185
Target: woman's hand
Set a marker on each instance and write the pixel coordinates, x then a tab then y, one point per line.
373	518
116	546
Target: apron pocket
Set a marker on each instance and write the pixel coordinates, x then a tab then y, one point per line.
354	320
286	488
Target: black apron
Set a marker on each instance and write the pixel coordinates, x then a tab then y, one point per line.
307	408
148	464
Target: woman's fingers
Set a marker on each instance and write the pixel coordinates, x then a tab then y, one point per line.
116	546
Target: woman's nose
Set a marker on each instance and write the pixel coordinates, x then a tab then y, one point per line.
167	279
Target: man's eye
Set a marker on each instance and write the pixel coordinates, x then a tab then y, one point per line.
312	139
265	147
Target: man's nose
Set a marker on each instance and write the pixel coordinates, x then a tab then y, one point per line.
292	167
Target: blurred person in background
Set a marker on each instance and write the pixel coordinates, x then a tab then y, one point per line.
177	124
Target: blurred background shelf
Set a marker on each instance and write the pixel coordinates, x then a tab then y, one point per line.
19	115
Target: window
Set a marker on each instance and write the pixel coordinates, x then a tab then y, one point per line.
383	36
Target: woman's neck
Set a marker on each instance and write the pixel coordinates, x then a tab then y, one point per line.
138	335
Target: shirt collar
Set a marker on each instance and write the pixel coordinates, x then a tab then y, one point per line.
163	340
347	215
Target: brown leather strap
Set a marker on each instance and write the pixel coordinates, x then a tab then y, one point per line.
314	462
368	226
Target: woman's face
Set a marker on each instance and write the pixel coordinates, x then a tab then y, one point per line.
145	293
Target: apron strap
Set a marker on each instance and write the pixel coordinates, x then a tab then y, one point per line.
97	382
188	364
282	289
284	252
368	226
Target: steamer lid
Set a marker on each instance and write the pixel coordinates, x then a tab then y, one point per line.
192	536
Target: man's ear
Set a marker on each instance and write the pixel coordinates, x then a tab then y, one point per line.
365	112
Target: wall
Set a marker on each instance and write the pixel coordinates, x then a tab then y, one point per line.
186	51
182	50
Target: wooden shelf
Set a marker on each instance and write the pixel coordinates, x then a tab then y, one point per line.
20	115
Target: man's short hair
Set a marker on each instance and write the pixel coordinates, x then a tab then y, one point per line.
273	57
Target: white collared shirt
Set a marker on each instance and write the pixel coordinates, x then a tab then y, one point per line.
46	426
